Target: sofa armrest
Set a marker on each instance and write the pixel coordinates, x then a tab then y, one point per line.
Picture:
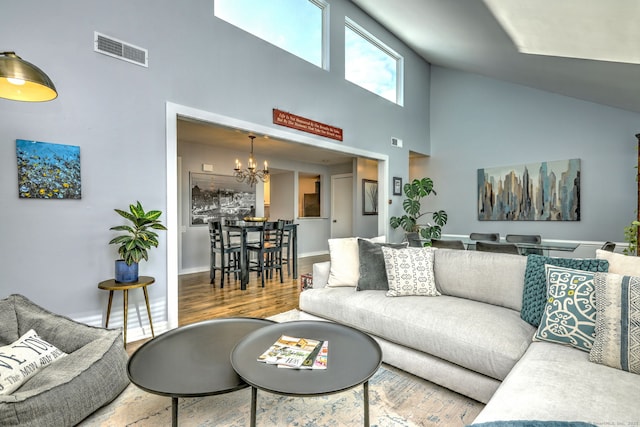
321	274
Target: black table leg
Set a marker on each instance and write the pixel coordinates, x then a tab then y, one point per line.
254	398
295	252
365	396
174	411
244	262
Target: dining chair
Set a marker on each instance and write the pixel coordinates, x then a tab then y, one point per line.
526	238
490	237
414	239
505	248
608	246
268	250
286	245
447	244
229	253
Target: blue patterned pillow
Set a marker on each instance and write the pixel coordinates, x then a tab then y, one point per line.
569	316
534	295
617	341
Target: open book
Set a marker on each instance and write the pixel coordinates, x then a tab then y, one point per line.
300	353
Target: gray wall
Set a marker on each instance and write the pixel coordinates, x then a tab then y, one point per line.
55	252
478	122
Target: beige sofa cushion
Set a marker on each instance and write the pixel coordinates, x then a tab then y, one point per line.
488	277
556	382
619	263
484	338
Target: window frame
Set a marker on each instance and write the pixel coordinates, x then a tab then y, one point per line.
379	44
324	37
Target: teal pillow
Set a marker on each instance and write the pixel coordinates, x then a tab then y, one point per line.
569	316
534	295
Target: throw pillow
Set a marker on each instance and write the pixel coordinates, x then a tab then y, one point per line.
534	295
619	263
345	266
23	358
569	316
410	271
617	341
373	275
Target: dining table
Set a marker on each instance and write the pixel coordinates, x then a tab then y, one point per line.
244	228
544	245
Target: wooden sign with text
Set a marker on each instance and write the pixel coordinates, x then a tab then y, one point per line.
306	125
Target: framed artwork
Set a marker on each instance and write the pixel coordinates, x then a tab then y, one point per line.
544	191
369	197
216	196
48	171
397	186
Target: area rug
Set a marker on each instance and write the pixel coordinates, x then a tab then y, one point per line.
396	398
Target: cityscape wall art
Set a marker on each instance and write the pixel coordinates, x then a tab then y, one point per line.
545	191
48	171
220	196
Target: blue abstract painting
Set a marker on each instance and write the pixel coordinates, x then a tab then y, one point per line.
48	171
546	191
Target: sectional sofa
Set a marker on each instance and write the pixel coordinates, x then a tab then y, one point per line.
475	329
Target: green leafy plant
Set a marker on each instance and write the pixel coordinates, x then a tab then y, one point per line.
139	237
415	191
631	237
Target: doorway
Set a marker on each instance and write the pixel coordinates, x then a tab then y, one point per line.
175	111
341	205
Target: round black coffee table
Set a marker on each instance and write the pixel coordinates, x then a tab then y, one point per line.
353	358
192	360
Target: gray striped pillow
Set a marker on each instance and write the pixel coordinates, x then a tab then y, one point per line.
617	342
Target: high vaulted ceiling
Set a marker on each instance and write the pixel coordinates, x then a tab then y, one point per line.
465	35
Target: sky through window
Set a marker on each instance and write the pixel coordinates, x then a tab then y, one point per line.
292	25
369	64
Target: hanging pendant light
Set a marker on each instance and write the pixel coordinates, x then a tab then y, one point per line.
251	175
23	81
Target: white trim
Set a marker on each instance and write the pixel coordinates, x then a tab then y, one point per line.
173	112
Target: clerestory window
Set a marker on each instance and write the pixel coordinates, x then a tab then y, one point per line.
297	26
371	64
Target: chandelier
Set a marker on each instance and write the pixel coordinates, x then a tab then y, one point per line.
250	175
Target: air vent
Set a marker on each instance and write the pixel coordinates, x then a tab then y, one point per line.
396	142
108	45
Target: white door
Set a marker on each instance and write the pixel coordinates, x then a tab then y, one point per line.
341	206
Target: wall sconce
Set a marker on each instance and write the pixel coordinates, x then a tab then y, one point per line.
23	81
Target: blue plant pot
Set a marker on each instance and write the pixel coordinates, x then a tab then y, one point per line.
126	273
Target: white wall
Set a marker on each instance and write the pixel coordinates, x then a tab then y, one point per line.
478	122
56	252
195	239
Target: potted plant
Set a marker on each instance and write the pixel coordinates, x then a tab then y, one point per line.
415	191
137	240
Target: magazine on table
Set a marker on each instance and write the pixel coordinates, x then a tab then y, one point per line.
297	353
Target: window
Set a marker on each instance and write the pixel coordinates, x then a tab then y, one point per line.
371	64
297	26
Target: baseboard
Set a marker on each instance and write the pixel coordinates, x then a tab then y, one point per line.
137	321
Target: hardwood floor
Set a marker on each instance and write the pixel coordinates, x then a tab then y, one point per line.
199	300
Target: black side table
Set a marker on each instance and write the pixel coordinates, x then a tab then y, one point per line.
192	360
353	358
